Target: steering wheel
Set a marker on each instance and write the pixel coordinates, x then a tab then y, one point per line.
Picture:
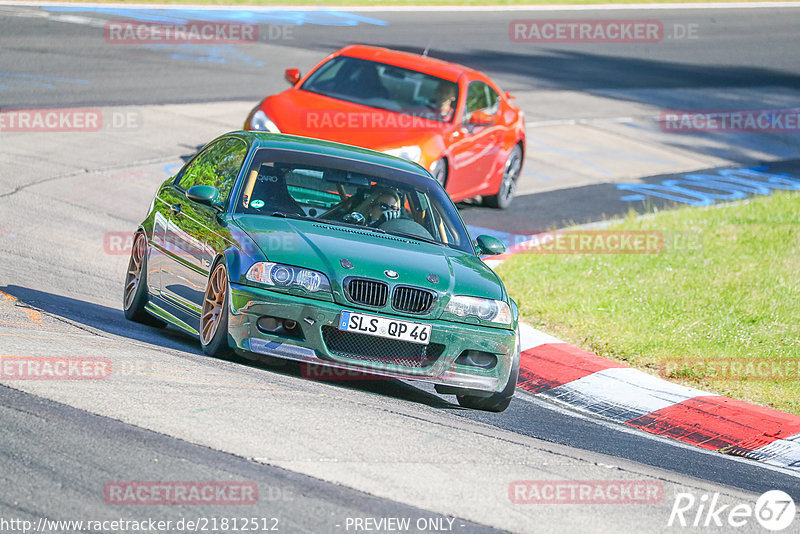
356	218
406	226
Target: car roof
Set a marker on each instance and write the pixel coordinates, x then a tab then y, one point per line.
328	148
417	62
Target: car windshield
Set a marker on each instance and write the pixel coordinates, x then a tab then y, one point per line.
350	193
383	86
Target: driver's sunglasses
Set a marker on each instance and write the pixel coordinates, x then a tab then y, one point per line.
393	207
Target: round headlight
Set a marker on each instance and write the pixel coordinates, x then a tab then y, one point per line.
486	309
281	275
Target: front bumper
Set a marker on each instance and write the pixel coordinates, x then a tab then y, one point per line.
248	304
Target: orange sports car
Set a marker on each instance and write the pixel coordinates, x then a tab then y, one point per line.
452	120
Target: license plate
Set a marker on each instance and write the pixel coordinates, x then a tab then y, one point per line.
373	325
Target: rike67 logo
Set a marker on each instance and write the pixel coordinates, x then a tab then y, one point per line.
774	510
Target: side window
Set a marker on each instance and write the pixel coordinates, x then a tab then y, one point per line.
480	96
218	165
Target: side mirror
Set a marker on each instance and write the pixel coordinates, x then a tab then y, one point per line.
489	246
292	76
208	195
480	118
509	96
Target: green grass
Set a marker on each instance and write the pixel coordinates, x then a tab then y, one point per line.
725	290
392	3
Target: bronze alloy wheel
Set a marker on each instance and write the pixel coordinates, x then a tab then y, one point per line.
213	303
135	268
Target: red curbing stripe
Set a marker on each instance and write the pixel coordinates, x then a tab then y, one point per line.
718	422
523	247
500	258
553	364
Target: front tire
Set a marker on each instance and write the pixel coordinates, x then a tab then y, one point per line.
214	314
134	298
497	402
439	171
508	184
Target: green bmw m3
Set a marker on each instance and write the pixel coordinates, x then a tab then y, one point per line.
278	246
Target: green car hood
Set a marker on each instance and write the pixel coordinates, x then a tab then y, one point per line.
322	247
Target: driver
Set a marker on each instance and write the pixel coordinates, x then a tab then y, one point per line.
446	96
385	206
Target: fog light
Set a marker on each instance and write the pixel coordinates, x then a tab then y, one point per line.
269	324
477	358
279	326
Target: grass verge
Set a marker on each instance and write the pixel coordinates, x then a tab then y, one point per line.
718	308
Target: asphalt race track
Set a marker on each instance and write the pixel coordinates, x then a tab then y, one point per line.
324	454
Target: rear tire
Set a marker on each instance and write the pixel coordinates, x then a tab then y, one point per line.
134	298
214	314
508	185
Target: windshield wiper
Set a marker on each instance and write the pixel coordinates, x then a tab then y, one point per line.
326	221
356	227
417	237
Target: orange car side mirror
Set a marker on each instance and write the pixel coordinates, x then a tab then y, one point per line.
480	118
292	76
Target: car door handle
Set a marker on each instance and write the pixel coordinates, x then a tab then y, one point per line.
176	208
